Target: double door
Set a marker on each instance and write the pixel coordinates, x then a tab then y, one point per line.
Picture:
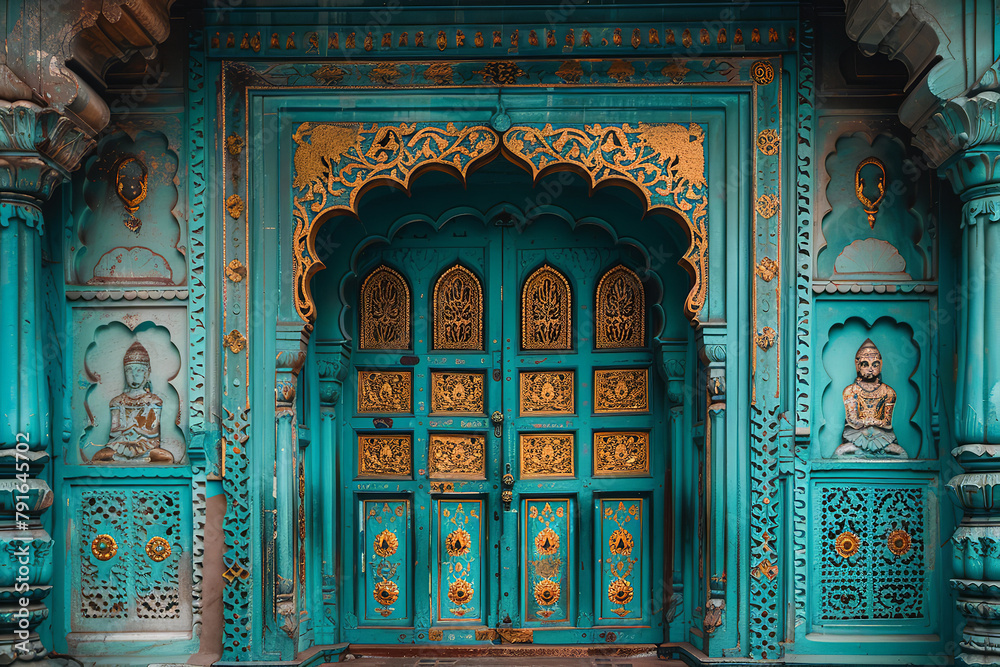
502	467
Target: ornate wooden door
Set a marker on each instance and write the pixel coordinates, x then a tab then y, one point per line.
499	476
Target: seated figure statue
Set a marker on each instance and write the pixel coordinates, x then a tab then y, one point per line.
135	416
868	403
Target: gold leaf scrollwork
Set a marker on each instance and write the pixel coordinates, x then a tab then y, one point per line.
501	73
385	311
619	453
547	392
234	206
457	393
767	269
235	271
104	547
621	310
158	549
458	310
765	338
385	391
386	543
621	390
235	341
456	456
767	205
234	144
768	141
385	456
547	455
762	72
545	311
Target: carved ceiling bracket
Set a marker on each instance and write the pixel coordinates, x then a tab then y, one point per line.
336	162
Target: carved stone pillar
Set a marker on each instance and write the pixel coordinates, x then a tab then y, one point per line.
38	149
975	175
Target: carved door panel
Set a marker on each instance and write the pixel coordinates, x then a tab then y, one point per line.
497	463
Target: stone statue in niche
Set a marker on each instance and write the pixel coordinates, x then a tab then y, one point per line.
135	416
868	404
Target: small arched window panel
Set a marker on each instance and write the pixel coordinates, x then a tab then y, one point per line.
385	311
620	309
458	310
546	322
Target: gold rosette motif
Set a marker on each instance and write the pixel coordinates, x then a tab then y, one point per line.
386	592
386	543
546	592
547	542
104	547
158	549
847	544
458	543
899	542
460	592
620	591
620	542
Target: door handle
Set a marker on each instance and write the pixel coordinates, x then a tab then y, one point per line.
497	419
507	492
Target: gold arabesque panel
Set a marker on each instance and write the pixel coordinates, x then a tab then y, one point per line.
546	303
458	310
385	455
547	455
621	390
546	392
456	456
385	311
620	310
385	391
457	393
621	453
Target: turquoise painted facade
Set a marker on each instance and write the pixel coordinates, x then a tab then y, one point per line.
402	329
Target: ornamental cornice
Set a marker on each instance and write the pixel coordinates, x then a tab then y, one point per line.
962	123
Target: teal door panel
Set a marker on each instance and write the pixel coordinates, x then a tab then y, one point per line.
457	524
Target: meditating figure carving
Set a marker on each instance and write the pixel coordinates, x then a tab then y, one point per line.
868	404
135	416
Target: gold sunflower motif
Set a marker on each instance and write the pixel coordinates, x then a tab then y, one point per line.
386	543
847	544
620	542
620	591
386	592
547	542
458	543
546	592
899	542
460	592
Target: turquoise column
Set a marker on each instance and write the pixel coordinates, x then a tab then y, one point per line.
975	175
38	149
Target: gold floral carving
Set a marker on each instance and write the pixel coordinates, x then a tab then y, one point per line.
767	205
619	453
460	592
547	455
547	542
620	310
234	206
234	144
765	338
235	341
768	141
457	393
621	390
762	72
386	592
663	162
620	592
385	456
545	311
501	73
458	310
546	592
235	271
385	391
456	456
620	543
899	542
104	547
458	542
547	392
767	269
386	543
158	549
334	162
846	544
385	311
